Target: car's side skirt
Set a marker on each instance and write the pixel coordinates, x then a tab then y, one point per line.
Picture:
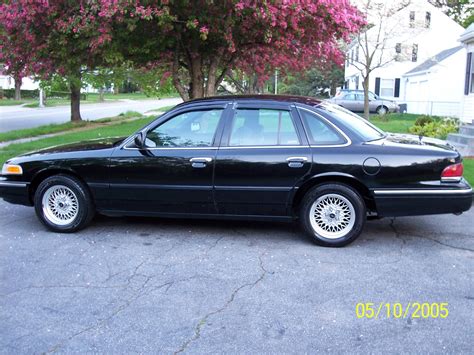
114	213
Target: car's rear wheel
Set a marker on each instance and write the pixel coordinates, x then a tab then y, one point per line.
63	204
333	214
382	110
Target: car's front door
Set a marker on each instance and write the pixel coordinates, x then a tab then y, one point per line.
173	172
263	154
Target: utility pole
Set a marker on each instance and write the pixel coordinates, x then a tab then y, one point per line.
41	98
276	82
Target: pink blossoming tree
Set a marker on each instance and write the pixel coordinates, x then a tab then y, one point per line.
196	42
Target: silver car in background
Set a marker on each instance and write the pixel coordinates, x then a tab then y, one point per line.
353	100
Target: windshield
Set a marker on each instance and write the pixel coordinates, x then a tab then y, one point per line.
364	128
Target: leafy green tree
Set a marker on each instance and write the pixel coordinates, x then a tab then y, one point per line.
461	11
314	82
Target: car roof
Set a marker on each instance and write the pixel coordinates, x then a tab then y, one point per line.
311	101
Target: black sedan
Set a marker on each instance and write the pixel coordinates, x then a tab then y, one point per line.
273	158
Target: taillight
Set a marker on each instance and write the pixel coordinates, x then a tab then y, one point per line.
452	173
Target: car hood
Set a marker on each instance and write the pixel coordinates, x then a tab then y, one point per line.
95	144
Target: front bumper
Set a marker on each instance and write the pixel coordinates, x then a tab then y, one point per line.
414	202
15	192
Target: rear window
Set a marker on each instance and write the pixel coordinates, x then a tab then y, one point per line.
359	125
320	132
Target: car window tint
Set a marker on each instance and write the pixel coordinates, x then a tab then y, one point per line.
320	132
360	97
349	97
262	127
190	129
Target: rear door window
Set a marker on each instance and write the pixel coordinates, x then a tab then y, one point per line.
262	127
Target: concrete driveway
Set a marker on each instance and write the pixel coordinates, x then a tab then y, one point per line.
17	117
131	285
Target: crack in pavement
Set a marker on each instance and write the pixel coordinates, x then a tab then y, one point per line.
398	235
440	242
203	320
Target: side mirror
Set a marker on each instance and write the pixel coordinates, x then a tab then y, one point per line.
139	140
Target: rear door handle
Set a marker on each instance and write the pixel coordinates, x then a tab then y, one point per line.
200	162
296	162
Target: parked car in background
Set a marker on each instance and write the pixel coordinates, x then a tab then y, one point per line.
353	100
278	158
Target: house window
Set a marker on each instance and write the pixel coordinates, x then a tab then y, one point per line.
428	19
352	56
357	82
412	19
469	85
472	76
386	87
357	54
414	53
398	48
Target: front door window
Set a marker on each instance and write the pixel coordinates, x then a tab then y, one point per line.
189	129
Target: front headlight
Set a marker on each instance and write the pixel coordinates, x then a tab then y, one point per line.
12	169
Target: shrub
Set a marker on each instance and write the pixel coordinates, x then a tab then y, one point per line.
423	120
435	128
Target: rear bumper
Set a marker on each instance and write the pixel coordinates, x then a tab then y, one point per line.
413	202
15	192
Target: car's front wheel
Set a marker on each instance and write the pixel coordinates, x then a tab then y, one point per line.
333	214
63	204
382	110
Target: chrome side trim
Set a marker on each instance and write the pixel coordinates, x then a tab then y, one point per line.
424	192
346	137
264	147
13	184
173	148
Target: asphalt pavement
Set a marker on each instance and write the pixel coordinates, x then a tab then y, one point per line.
136	285
19	117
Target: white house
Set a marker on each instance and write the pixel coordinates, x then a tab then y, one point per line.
409	37
433	86
7	82
467	102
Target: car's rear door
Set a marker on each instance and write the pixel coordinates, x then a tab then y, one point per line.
173	174
263	154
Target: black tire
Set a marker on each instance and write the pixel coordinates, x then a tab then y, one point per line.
347	197
382	110
85	210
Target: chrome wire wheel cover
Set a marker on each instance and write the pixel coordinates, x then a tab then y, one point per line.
332	216
60	205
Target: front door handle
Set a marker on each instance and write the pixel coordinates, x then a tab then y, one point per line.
296	162
200	162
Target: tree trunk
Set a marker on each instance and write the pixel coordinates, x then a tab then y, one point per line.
101	95
18	80
333	89
365	84
75	88
197	79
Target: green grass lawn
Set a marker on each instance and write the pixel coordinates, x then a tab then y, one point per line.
469	170
395	123
8	102
124	128
63	127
